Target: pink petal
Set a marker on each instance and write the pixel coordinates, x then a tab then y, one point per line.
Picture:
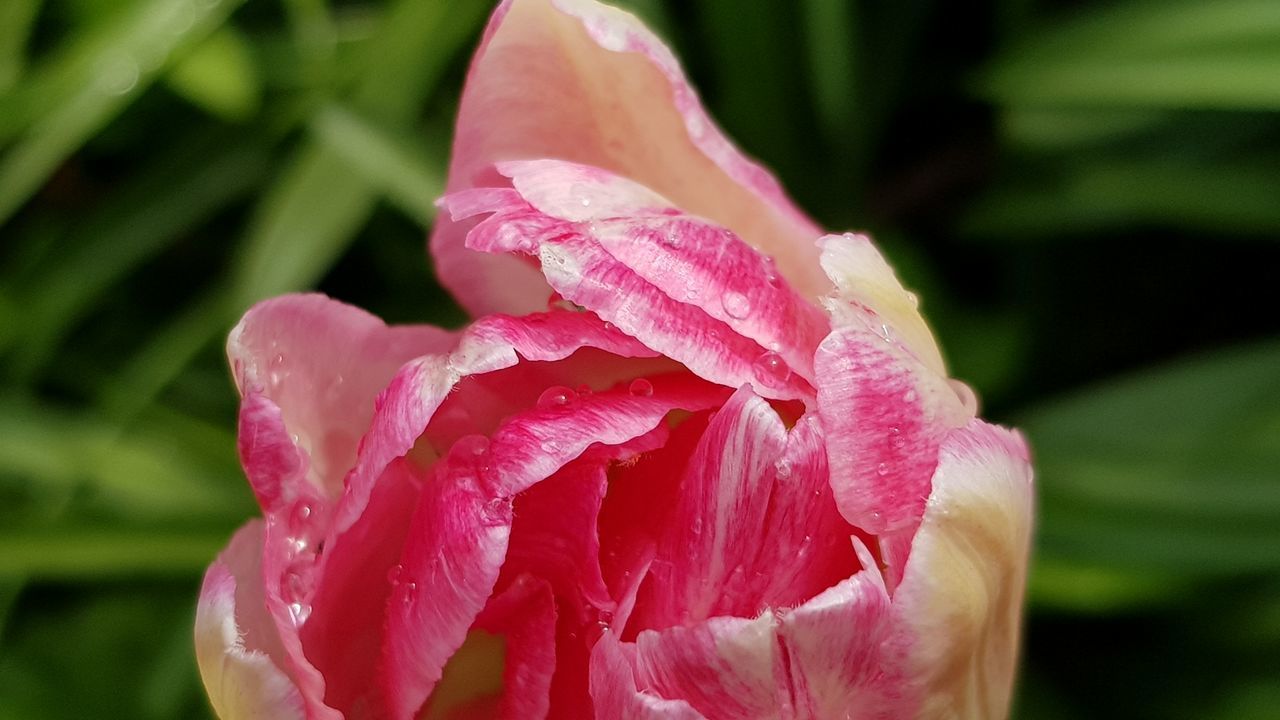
237	648
731	517
884	415
410	401
455	546
343	635
321	363
688	290
725	667
841	661
614	693
587	83
554	536
687	258
525	615
863	280
960	600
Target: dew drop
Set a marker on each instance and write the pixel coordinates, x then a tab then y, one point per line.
556	396
609	327
408	591
299	612
771	369
641	387
896	439
736	305
771	271
882	469
910	396
581	194
393	575
300	515
473	445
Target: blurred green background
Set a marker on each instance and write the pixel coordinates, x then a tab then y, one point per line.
1086	195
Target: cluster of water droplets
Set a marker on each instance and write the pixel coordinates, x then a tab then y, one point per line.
303	546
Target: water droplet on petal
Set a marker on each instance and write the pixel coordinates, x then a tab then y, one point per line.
609	327
910	396
771	275
299	612
556	396
300	515
736	305
896	439
771	369
581	194
882	469
641	387
393	575
473	445
408	591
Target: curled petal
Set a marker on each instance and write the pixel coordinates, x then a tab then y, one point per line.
725	667
235	642
864	281
685	288
613	688
587	83
884	415
960	600
320	363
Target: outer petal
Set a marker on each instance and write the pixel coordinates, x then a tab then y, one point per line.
321	363
235	642
579	81
960	602
863	280
685	288
885	416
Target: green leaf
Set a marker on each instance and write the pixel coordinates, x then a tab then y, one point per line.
1172	470
78	92
219	75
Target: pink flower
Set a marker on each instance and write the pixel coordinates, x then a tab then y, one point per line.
722	475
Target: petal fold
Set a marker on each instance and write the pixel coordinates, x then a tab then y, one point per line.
580	81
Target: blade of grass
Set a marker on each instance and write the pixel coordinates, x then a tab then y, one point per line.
17	17
219	75
119	66
192	182
405	172
78	553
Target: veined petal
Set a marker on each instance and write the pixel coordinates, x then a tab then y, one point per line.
863	280
321	363
235	642
839	655
727	668
614	693
884	415
580	81
685	288
960	601
454	549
